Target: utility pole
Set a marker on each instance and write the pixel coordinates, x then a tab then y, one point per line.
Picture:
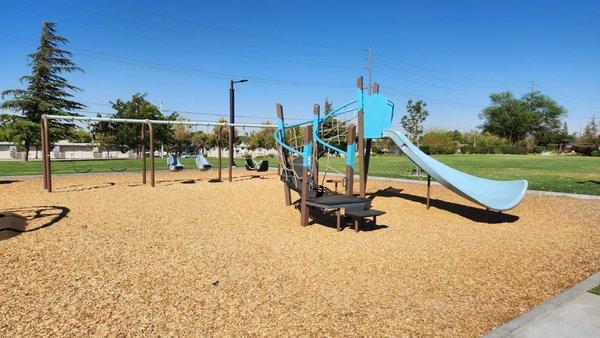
370	69
532	86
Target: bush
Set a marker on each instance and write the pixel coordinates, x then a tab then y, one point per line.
552	147
439	142
595	153
494	150
539	149
585	150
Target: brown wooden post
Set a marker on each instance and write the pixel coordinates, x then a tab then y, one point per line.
307	133
361	145
219	155
151	131
315	153
282	154
47	154
350	139
428	189
43	142
143	136
230	148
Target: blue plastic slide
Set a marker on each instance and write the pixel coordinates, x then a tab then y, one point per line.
494	195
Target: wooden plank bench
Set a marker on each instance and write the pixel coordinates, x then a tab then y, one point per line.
359	216
339	202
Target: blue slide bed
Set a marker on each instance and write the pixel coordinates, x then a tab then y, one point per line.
494	195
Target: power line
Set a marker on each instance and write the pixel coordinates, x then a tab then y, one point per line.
151	38
445	73
188	71
428	84
221	29
430	77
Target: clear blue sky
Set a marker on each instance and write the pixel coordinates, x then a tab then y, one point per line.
451	54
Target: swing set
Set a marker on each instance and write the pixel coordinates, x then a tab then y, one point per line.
146	129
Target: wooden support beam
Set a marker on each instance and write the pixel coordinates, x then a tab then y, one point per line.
361	154
283	156
307	133
315	154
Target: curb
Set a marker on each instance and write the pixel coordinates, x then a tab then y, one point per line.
542	310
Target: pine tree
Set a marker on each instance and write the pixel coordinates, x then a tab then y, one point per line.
47	92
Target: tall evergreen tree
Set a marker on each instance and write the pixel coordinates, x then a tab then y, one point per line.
47	92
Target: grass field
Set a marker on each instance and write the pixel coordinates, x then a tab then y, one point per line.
573	174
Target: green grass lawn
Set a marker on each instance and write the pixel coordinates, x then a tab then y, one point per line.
595	290
574	174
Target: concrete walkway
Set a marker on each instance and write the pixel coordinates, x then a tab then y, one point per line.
573	313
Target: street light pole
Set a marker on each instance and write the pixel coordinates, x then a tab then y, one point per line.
232	120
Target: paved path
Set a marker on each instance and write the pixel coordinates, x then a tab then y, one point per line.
573	313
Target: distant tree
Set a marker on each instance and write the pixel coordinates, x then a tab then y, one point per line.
457	136
439	142
514	119
127	136
262	139
224	140
413	121
181	136
47	92
590	134
327	106
81	136
202	140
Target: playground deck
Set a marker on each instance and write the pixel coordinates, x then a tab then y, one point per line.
200	258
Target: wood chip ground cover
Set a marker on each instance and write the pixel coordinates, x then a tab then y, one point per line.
104	255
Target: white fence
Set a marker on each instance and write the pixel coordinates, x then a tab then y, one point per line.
79	151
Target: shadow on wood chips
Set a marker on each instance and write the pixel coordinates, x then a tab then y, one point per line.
19	220
472	213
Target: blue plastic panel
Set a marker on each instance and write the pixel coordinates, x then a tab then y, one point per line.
378	114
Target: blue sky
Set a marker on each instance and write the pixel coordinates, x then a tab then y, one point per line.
451	54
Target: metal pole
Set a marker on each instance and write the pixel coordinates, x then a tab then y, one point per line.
219	156
143	154
428	189
47	154
43	143
350	139
370	68
231	130
151	130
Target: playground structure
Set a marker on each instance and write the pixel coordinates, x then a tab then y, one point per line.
146	128
300	161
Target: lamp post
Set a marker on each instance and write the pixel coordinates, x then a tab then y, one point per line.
232	120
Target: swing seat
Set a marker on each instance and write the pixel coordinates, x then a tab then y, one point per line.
253	166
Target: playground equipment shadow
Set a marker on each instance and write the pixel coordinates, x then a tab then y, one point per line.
230	259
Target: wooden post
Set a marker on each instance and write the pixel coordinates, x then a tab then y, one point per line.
151	130
143	137
307	133
350	139
219	155
315	154
283	155
43	142
428	189
47	154
361	144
